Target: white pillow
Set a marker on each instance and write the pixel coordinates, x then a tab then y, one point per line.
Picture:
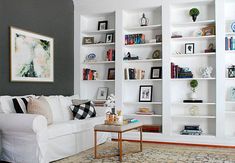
56	108
65	106
6	103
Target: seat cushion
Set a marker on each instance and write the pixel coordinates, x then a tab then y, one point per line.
66	102
73	126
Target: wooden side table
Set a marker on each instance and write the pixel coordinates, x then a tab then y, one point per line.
119	130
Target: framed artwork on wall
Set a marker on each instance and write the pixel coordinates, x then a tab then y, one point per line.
32	56
145	93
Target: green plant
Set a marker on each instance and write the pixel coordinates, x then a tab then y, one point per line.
193	85
194	12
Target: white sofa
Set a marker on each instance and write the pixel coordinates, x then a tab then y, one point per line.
26	138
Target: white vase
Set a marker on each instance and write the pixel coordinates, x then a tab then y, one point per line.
193	96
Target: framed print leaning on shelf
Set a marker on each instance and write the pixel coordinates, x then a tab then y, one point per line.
189	48
32	57
109	38
145	93
103	25
111	74
102	93
156	72
232	94
88	40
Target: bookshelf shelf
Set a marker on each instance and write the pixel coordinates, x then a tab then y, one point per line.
204	103
189	116
99	62
142	61
98	32
140	115
98	80
146	44
99	44
194	55
230	33
143	80
188	79
149	27
193	38
143	103
197	23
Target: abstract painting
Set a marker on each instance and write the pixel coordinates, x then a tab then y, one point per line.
32	57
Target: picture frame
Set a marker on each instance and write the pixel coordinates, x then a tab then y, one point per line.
156	73
102	25
31	56
189	48
208	31
88	40
232	93
145	93
109	38
111	74
158	38
102	93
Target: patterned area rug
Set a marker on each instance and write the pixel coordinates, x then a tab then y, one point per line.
155	153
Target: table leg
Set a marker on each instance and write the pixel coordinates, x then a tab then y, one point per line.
141	140
120	146
95	141
118	141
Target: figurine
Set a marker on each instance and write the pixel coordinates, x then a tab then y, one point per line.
206	72
210	48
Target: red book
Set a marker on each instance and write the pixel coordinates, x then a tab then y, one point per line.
172	70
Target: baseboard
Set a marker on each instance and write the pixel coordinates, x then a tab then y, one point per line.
187	144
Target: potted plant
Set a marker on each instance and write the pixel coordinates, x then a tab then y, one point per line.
194	12
193	85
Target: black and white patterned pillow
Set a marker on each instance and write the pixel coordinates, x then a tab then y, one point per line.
20	104
83	111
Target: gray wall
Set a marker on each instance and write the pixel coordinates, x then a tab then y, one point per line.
54	18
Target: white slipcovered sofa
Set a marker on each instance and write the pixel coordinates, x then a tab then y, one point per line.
26	138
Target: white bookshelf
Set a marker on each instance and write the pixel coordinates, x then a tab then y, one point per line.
216	113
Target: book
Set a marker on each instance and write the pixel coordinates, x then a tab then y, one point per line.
193	101
226	43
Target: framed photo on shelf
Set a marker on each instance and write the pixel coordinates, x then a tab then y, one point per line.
145	93
102	93
158	38
189	48
156	72
109	38
88	40
111	74
102	25
207	31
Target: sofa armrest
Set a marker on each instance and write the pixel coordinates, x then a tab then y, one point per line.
22	123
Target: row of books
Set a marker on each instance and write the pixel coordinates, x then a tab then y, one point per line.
229	43
134	39
110	56
100	103
180	72
133	74
89	74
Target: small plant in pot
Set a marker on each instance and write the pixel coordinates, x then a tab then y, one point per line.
194	12
193	85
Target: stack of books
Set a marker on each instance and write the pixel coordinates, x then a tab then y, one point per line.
134	39
89	74
133	74
180	72
130	120
191	130
99	103
229	43
110	56
152	128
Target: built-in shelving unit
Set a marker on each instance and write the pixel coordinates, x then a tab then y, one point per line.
229	60
215	115
89	28
144	51
180	90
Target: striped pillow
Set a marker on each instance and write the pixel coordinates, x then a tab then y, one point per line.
20	104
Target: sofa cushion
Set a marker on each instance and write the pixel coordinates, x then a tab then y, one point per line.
6	103
83	111
56	108
70	127
21	104
65	106
40	106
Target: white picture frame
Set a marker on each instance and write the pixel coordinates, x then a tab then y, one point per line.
32	56
102	93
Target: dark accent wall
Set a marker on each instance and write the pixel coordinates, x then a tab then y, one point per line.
53	18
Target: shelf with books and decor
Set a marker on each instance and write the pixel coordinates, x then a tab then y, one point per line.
142	63
193	66
97	55
229	86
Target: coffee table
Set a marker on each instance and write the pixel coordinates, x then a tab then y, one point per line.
119	130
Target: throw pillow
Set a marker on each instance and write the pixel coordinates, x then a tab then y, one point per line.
83	111
40	106
20	104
